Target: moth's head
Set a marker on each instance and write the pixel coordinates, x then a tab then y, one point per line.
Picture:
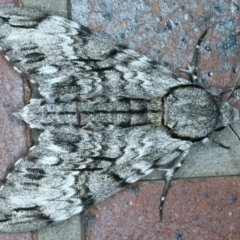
193	113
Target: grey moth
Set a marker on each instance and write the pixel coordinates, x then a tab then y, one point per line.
108	116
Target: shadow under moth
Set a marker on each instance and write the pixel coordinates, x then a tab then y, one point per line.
108	117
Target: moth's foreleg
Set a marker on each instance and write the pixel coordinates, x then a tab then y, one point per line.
209	141
192	68
192	71
169	176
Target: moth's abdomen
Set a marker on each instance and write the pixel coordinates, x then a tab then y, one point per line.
192	112
124	113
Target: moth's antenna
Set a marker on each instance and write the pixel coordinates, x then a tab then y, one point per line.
196	52
230	95
234	131
192	69
235	87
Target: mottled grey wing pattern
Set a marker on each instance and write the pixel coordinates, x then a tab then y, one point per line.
67	172
66	59
82	157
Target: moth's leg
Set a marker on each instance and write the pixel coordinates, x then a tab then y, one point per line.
214	91
192	69
169	176
234	132
220	92
209	141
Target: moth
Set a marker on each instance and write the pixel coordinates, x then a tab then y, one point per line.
108	116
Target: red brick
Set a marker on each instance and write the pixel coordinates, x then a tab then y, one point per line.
13	131
207	208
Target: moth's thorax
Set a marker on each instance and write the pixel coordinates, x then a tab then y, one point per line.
192	112
123	112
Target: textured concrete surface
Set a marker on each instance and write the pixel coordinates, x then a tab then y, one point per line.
210	160
59	7
70	230
195	209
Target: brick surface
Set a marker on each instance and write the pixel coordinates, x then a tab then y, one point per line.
168	32
13	133
17	236
195	209
8	3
